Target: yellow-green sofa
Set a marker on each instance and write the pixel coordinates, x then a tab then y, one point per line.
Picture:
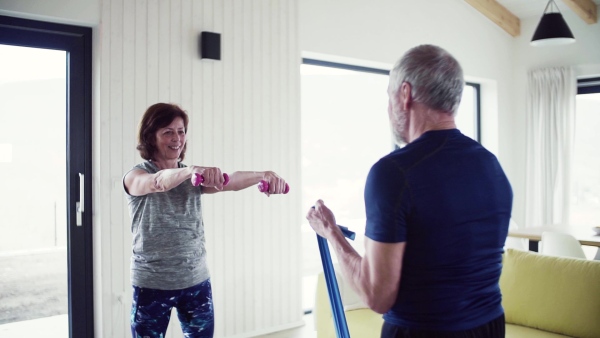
362	321
543	297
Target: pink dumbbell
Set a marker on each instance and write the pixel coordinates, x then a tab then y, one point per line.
263	186
197	179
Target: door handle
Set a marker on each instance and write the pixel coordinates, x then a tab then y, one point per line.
79	205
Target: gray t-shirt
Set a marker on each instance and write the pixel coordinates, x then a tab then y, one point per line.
168	237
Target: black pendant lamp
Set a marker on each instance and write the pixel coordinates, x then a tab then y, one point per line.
552	29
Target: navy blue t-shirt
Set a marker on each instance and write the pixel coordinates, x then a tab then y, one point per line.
448	198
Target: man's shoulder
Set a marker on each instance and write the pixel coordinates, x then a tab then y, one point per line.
391	165
402	158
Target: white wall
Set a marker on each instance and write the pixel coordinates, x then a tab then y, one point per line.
80	12
244	115
583	56
380	31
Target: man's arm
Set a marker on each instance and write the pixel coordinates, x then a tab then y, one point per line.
376	276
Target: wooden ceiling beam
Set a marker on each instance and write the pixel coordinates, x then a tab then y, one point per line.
499	14
586	9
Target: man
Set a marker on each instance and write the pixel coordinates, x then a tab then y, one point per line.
437	214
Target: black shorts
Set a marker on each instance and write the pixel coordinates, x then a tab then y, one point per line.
493	329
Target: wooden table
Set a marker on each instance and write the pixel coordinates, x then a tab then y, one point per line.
534	235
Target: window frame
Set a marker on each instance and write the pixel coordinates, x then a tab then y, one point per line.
477	104
588	85
315	62
476	86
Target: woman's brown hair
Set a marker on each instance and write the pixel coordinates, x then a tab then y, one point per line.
158	115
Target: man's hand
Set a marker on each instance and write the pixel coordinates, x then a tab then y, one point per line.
322	220
376	276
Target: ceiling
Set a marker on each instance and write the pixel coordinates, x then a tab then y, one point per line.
508	13
525	9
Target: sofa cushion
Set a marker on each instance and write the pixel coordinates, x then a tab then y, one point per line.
518	331
556	294
362	321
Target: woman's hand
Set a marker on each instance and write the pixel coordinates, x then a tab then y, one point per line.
213	177
276	183
240	180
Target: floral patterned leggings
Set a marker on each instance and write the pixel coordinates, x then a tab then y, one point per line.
151	311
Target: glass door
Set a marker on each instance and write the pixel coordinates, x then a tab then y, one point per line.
33	226
46	284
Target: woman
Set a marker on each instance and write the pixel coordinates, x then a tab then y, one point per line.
168	265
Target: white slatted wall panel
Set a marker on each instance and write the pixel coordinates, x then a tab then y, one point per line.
244	115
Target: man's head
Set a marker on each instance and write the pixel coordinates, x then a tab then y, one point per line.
432	77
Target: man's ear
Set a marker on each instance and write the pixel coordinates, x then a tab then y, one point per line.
405	93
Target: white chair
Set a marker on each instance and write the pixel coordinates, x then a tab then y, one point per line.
513	242
559	244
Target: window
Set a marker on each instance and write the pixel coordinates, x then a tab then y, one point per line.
585	172
345	130
468	115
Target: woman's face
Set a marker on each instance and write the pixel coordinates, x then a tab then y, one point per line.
170	141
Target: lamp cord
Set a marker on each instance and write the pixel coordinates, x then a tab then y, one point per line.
548	5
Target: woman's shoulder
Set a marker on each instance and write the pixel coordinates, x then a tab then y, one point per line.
147	166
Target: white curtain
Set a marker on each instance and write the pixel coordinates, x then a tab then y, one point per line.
551	94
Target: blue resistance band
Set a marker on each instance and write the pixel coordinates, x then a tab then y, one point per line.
337	308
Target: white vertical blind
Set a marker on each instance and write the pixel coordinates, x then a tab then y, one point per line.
244	115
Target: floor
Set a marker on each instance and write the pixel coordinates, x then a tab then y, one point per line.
48	327
17	272
306	331
57	326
